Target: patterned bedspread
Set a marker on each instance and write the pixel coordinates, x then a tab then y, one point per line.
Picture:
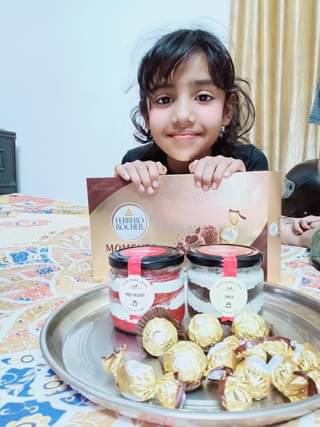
44	260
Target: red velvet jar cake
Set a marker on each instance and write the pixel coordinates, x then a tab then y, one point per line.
144	277
224	279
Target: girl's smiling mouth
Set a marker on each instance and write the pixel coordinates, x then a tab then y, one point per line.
184	135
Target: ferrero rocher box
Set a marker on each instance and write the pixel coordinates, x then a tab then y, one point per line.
245	209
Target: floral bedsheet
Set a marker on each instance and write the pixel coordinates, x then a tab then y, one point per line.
45	259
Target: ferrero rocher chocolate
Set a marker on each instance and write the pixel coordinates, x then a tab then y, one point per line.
232	342
136	380
254	371
278	346
251	348
235	394
158	336
188	360
205	330
220	355
249	326
169	391
284	379
309	359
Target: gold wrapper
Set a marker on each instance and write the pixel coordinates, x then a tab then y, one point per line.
158	336
298	388
169	391
112	363
232	342
235	394
254	371
220	355
309	359
251	348
284	379
136	380
278	346
250	326
188	360
205	330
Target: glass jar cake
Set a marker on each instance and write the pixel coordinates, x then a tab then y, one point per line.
144	277
224	279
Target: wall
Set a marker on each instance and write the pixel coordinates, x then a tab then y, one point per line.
65	69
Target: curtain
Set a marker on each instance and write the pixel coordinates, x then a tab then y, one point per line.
275	45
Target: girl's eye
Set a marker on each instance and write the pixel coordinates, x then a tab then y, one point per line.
163	100
204	97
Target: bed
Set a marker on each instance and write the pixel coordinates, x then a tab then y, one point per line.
45	260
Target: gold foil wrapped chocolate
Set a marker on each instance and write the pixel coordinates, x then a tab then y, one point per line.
138	381
309	358
220	355
188	360
114	361
235	394
169	391
251	348
285	379
250	326
205	330
278	346
158	336
232	342
254	371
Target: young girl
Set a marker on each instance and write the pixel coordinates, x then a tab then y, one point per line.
192	115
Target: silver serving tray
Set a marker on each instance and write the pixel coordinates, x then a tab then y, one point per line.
79	333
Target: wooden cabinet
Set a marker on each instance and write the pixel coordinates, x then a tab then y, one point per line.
8	178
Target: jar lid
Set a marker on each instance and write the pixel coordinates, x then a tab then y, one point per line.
213	255
152	257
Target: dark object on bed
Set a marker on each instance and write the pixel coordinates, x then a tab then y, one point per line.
8	179
301	193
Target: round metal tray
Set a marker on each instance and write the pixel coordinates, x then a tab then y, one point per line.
78	334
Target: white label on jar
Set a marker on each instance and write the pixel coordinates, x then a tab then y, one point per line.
136	294
228	296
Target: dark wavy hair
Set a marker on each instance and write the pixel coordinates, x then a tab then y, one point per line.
160	62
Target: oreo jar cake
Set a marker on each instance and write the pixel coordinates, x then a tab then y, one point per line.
144	277
224	279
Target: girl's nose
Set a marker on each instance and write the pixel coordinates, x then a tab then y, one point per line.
182	114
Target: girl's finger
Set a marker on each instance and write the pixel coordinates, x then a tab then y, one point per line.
162	170
208	174
120	170
153	171
192	166
143	171
235	165
198	171
131	169
219	173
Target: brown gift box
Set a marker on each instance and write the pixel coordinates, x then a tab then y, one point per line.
245	209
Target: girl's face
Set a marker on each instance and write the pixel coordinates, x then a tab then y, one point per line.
185	116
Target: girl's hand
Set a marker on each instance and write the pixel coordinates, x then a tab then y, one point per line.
209	171
144	175
300	225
